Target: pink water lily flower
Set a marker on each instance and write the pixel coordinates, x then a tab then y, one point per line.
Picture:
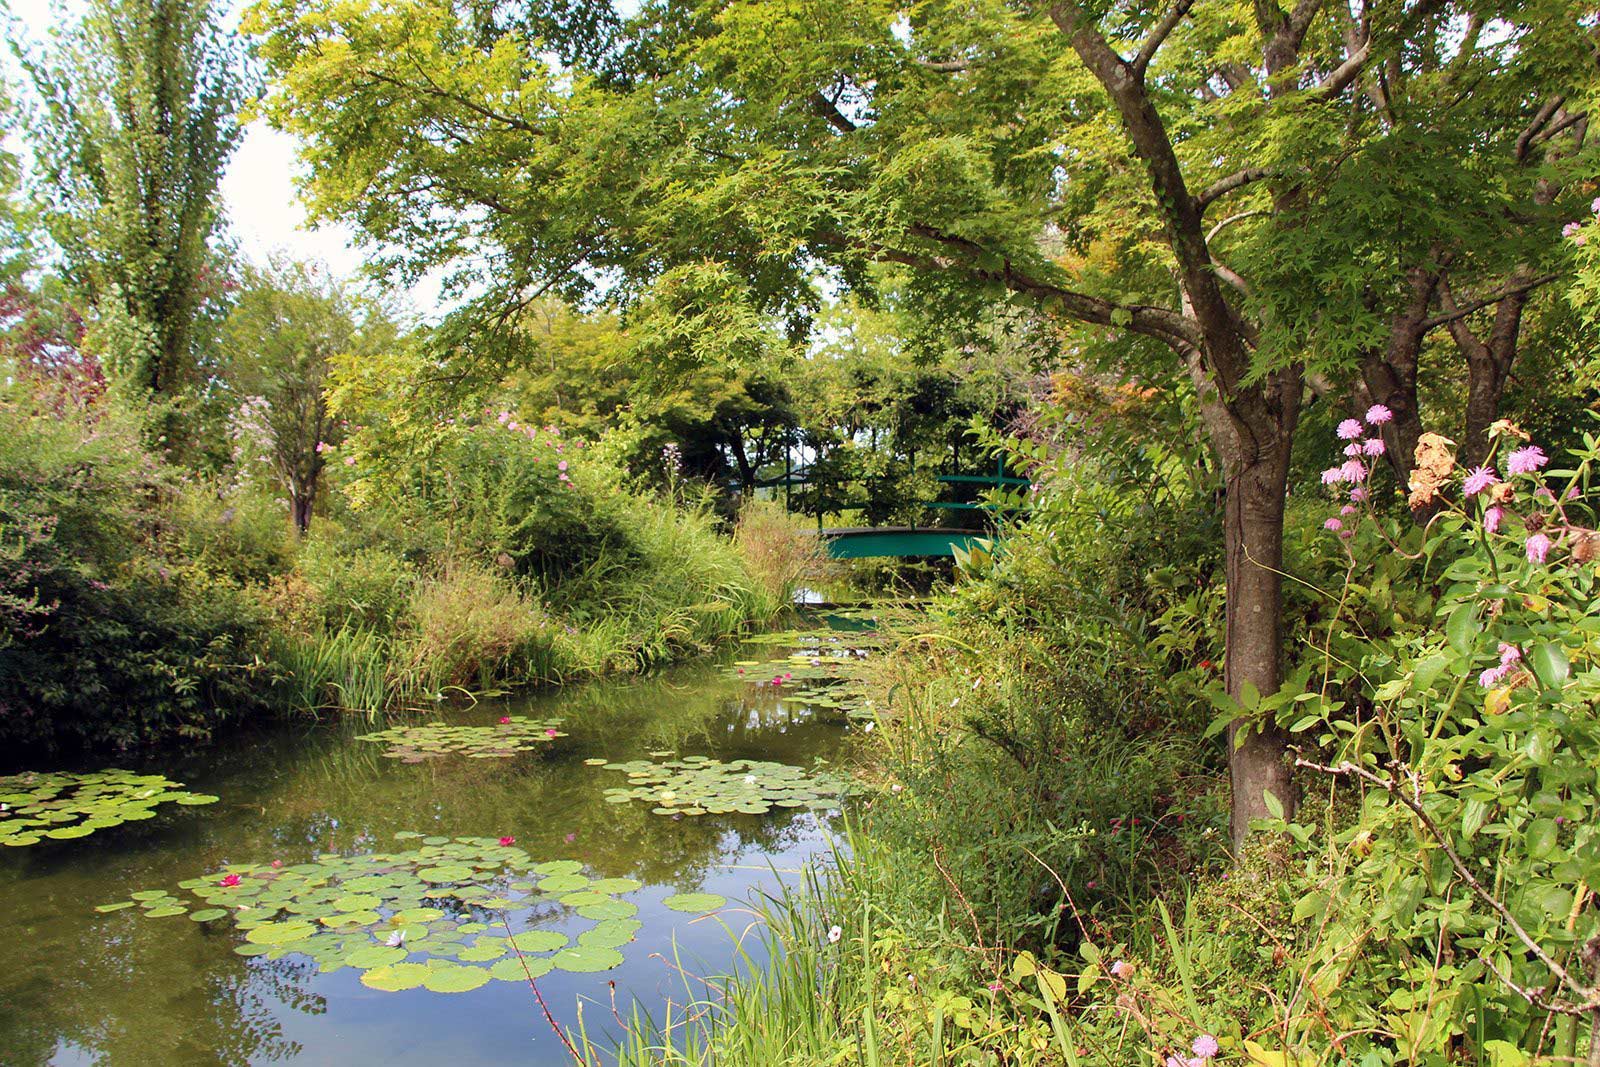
505	720
229	881
551	732
507	841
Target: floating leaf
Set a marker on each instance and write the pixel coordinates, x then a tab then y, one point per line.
697	785
585	959
695	903
455	979
280	933
539	940
615	885
611	909
517	733
613	933
396	977
375	956
519	970
118	906
205	915
62	806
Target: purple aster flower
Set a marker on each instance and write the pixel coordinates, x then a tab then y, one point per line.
1479	479
1538	548
1349	430
1377	415
1526	460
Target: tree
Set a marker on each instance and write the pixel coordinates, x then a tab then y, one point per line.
134	121
291	321
1244	192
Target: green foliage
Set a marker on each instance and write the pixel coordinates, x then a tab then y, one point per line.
134	119
114	635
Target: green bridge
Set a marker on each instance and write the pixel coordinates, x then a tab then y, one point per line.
862	542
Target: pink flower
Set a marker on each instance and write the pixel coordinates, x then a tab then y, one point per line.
564	477
1353	449
1492	516
1205	1046
561	466
1538	548
505	720
1509	654
550	732
505	417
570	838
1377	415
323	446
1526	460
229	881
276	864
1349	430
1348	509
1479	479
1345	535
1333	476
1572	229
1121	969
507	841
995	986
1372	446
1332	524
1491	677
349	461
1358	494
1353	470
1595	205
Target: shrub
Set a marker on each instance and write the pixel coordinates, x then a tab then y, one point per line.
780	550
469	628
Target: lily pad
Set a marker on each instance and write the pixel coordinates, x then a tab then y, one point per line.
585	959
396	976
455	979
700	785
519	970
695	903
62	806
513	734
613	933
539	940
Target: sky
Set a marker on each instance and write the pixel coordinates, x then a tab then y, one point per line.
258	190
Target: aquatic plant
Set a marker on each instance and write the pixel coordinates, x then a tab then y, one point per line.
61	805
512	734
423	917
698	785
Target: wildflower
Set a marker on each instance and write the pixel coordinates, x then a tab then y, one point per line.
1526	460
1205	1046
868	728
1573	230
1509	654
1491	677
1492	517
897	787
1205	665
276	864
1377	415
1358	494
1345	535
995	986
323	446
1333	476
1353	470
1122	969
1332	524
570	838
1348	509
1538	547
1373	446
564	478
561	466
1349	430
229	881
507	841
1595	206
834	933
349	461
1479	479
1353	449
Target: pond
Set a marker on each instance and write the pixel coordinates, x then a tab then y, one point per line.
322	853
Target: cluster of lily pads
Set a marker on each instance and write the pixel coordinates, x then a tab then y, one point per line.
820	672
698	785
438	916
512	734
60	806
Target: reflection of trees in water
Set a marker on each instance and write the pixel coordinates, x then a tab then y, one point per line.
136	994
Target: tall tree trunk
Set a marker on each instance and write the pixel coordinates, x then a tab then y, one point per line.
302	498
1253	546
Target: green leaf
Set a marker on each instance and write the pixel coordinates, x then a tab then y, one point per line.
695	903
1462	627
1540	839
1549	662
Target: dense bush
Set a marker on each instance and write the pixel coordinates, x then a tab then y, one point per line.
115	630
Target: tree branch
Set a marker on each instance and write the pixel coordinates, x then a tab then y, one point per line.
1223	186
830	111
1159	34
1463	310
1540	117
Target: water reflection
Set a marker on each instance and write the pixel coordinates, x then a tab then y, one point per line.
77	987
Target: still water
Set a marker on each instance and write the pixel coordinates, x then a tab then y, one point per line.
128	990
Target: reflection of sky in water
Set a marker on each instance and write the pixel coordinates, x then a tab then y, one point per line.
77	987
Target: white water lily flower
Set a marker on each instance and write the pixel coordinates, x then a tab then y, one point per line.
396	939
749	779
869	726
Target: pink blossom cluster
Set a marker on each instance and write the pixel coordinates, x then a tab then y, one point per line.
1509	655
1205	1047
1573	231
508	419
1354	472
